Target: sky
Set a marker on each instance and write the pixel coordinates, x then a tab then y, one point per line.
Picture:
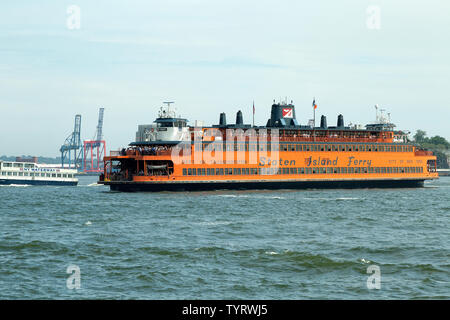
216	56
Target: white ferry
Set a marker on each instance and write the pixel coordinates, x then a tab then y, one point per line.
26	173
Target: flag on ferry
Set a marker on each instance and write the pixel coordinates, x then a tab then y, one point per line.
253	107
314	103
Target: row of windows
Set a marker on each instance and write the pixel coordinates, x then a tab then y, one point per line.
32	174
17	165
310	147
275	171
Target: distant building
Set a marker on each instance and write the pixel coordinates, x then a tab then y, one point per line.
31	160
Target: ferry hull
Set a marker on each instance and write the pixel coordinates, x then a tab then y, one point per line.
260	185
37	182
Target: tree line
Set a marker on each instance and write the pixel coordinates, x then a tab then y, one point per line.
439	145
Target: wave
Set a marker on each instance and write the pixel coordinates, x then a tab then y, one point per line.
94	184
333	199
16	185
213	223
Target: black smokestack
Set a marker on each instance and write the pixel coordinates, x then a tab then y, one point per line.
223	119
323	122
340	123
239	118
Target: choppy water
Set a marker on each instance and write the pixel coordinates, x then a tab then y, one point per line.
310	244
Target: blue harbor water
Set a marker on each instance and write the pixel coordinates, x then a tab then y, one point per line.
307	244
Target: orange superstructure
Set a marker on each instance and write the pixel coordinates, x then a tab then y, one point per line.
172	156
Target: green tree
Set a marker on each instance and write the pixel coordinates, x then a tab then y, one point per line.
420	136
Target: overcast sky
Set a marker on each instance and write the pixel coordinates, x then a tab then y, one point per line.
216	56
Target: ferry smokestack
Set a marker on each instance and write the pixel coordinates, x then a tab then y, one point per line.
223	119
340	123
323	122
239	118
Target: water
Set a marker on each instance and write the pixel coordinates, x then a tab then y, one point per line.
309	244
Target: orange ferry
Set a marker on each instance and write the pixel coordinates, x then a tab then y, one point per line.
169	155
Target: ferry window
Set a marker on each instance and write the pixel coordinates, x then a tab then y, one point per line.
29	166
26	174
292	147
365	170
7	165
165	124
292	170
3	173
357	170
9	173
329	170
18	165
47	174
14	173
323	170
189	172
356	148
184	172
20	174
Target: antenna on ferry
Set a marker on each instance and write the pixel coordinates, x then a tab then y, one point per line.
376	113
168	103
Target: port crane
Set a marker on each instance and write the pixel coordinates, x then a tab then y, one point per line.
69	150
94	150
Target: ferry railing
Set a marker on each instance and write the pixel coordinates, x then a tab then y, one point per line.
423	153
